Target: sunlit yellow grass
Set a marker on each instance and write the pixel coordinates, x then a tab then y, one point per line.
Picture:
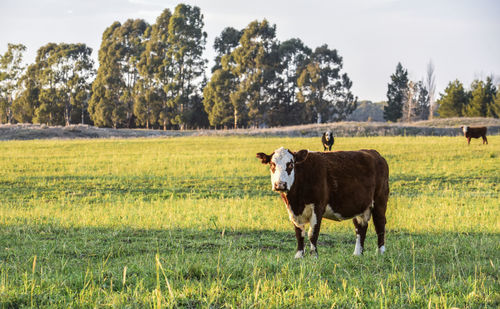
75	213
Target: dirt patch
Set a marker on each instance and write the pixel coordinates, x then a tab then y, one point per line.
439	127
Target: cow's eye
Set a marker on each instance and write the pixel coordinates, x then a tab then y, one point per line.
272	166
289	167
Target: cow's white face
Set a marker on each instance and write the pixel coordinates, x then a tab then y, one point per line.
282	164
465	129
328	135
282	170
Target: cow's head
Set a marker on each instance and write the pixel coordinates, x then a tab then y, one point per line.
282	164
328	135
465	129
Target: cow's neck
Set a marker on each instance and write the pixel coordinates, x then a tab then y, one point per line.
291	200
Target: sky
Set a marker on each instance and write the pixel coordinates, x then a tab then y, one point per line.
460	37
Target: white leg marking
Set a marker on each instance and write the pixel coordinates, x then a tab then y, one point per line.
312	224
381	250
303	231
314	252
358	249
299	254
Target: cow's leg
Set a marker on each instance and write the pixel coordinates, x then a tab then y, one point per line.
299	234
361	228
313	234
379	222
468	140
485	140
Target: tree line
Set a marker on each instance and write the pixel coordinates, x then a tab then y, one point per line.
153	76
409	100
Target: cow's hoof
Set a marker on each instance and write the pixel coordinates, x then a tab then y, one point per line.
299	254
381	250
358	251
314	254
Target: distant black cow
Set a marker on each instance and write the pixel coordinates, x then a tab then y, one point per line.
474	132
327	140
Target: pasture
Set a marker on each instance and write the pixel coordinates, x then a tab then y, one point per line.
192	222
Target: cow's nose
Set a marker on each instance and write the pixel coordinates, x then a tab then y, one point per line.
280	186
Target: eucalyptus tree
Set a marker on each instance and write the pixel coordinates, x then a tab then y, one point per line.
132	37
51	102
74	69
11	70
253	63
324	90
155	68
216	99
105	106
186	43
286	110
216	94
224	44
27	102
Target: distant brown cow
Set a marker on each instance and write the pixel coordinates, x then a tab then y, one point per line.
336	185
474	132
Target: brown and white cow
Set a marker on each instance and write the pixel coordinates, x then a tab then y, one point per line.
474	132
335	185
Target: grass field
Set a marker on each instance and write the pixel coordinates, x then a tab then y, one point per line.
192	222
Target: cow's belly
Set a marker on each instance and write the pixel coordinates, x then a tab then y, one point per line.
332	215
362	217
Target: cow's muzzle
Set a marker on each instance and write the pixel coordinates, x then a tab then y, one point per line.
280	186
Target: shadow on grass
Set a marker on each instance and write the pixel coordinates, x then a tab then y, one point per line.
70	260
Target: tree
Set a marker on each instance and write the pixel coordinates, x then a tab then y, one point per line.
252	63
28	100
131	36
430	85
186	42
74	70
292	58
495	107
10	73
423	102
396	93
217	93
453	101
323	89
224	44
156	59
216	98
51	96
146	104
482	99
105	107
416	102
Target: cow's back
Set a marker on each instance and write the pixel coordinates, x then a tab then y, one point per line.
355	179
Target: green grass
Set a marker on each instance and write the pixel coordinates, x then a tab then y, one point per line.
192	222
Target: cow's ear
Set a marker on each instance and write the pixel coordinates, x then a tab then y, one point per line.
265	159
301	156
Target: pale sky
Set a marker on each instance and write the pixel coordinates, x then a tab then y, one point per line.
461	37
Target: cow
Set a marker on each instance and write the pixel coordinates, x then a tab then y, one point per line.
327	140
475	132
336	185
